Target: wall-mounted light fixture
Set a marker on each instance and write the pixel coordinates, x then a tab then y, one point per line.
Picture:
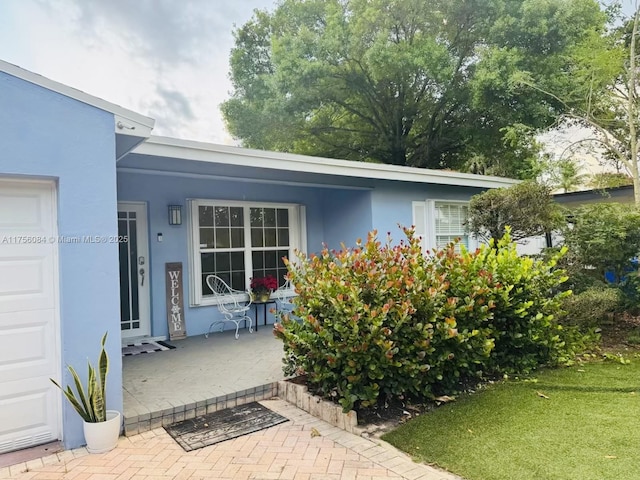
175	214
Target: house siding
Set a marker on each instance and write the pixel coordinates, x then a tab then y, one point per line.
47	135
347	216
391	203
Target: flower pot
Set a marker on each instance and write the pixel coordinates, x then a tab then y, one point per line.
264	297
102	437
260	297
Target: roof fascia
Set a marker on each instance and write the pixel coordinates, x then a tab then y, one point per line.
223	154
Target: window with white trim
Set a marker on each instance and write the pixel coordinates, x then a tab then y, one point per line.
441	222
238	240
450	223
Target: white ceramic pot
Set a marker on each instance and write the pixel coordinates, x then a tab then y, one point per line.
102	437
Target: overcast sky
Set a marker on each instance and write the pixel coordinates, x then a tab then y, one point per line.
168	59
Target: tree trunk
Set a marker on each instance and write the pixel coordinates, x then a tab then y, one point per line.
636	189
632	110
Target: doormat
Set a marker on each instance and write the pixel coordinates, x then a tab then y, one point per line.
145	347
223	425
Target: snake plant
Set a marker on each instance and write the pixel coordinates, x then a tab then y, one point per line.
89	404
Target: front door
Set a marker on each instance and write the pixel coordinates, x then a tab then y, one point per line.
135	319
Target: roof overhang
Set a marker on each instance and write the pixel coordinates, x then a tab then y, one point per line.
622	194
155	153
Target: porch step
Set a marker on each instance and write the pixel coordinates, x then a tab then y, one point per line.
142	422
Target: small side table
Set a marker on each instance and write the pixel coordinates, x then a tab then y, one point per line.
264	311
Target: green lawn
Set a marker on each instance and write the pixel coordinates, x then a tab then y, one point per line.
588	428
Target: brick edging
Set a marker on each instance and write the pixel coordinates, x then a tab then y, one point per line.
143	422
331	413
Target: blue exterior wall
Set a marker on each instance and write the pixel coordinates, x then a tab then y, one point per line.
159	191
347	216
391	203
47	135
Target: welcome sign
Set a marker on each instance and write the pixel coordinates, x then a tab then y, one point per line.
175	301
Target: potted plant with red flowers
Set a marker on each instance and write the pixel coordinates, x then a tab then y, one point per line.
261	287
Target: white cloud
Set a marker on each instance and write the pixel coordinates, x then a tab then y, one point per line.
162	58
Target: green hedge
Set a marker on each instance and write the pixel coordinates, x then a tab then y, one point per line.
386	320
591	308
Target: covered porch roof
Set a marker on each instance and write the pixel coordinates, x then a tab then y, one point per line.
171	156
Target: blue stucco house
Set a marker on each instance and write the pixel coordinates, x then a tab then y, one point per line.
89	207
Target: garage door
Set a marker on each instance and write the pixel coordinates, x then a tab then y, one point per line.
29	405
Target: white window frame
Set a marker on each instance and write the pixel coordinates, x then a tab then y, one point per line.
424	221
297	240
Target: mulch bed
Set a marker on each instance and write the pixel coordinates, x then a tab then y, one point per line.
616	332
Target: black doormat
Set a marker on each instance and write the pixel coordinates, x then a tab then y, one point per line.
224	425
146	346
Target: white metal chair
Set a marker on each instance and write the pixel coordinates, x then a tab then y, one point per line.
283	298
233	309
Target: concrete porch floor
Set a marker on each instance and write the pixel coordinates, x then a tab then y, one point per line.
199	376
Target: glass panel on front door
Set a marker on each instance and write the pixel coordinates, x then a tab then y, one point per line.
129	305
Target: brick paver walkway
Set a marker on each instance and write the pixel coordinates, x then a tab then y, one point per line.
292	450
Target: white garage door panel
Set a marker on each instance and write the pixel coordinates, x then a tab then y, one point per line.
26	348
23	211
26	281
29	332
20	276
19	429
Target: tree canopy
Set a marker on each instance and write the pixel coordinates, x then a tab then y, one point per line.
566	175
426	83
606	77
606	180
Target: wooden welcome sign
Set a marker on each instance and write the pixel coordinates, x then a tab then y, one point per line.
175	301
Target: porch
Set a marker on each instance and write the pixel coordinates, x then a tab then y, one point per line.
199	376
